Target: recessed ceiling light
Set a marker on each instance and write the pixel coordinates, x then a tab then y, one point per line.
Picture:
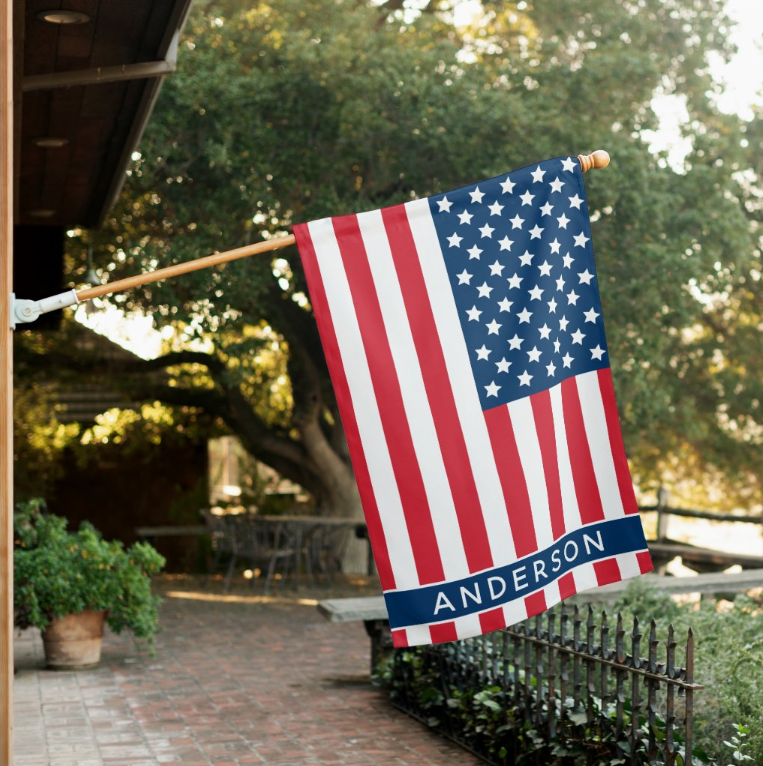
55	16
42	213
50	142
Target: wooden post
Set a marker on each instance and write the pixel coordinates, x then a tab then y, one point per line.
6	383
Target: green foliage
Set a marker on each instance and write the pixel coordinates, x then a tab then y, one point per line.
58	572
290	111
728	712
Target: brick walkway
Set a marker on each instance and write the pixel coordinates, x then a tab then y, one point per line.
233	682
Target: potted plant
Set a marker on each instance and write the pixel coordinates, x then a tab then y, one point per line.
68	583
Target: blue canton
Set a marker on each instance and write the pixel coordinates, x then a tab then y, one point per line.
519	257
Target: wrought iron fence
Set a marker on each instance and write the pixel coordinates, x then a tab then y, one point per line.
565	686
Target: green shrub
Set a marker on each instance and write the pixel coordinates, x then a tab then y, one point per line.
58	572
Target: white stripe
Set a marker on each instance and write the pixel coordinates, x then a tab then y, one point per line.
364	402
629	566
595	422
468	626
514	612
585	577
528	446
418	635
462	383
414	394
552	594
571	511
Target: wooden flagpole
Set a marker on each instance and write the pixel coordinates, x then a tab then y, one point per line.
599	159
6	383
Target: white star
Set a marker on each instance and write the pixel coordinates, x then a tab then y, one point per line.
546	209
556	186
503	365
474	252
464	277
585	277
534	354
493	327
506	243
562	221
577	337
483	353
477	195
515	342
535	232
455	240
465	217
487	230
544	331
524	316
563	322
580	239
496	269
492	389
568	259
444	204
538	174
508	186
484	290
557	346
551	369
505	304
590	316
527	198
555	245
545	269
552	306
597	353
576	202
495	208
560	283
526	257
567	360
474	314
525	378
572	298
516	222
568	164
535	293
514	281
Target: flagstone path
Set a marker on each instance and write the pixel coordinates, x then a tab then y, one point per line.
233	682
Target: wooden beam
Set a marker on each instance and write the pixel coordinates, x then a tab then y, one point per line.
6	383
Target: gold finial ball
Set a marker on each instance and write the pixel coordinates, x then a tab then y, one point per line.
599	159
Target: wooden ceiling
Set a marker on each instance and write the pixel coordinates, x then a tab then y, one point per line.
76	183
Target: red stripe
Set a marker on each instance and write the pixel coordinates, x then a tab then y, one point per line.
492	620
624	481
440	395
607	571
583	476
512	478
344	400
389	399
645	562
535	603
567	585
443	632
399	639
544	426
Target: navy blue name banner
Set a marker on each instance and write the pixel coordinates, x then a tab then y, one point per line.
495	587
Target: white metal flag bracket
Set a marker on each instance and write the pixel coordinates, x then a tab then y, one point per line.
23	310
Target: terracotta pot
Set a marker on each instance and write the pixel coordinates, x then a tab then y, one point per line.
74	641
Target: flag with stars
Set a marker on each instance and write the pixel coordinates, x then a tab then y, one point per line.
465	341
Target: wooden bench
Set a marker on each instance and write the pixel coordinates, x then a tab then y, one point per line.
372	611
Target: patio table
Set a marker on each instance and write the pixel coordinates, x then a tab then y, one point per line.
299	529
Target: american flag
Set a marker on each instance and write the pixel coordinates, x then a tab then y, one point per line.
464	337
